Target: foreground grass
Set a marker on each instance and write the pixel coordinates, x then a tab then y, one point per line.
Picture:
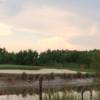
26	67
57	96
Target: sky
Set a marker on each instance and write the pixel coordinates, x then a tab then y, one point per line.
49	24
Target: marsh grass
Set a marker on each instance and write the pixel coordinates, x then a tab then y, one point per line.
70	95
65	95
58	96
97	96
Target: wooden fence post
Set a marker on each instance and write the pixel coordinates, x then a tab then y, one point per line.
82	95
40	88
91	94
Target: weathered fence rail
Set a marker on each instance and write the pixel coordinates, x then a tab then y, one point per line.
42	85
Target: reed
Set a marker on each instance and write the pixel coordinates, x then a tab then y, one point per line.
54	95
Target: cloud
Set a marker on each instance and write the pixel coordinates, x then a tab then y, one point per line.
51	21
55	25
11	7
53	43
45	20
90	38
5	29
40	45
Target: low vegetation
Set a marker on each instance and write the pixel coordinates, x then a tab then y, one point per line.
58	96
21	67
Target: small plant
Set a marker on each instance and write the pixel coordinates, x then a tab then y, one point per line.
52	75
30	77
79	75
24	76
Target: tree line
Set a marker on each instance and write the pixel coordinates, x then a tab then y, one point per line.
50	57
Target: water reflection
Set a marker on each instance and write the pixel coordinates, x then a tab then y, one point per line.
50	90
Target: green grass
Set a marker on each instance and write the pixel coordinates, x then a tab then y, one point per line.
90	70
21	67
26	67
71	66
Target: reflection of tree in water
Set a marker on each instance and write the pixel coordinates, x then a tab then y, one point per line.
24	92
21	93
27	91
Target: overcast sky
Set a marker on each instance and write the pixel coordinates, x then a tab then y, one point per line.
49	24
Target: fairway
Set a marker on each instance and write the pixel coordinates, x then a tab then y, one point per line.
24	67
27	67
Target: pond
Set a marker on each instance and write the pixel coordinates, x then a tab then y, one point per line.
56	88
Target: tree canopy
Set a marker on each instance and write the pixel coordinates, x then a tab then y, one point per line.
51	57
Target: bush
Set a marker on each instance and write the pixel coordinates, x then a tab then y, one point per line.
24	76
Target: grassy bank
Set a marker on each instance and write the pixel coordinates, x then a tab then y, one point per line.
24	67
21	67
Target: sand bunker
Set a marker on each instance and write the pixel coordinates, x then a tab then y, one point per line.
41	71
